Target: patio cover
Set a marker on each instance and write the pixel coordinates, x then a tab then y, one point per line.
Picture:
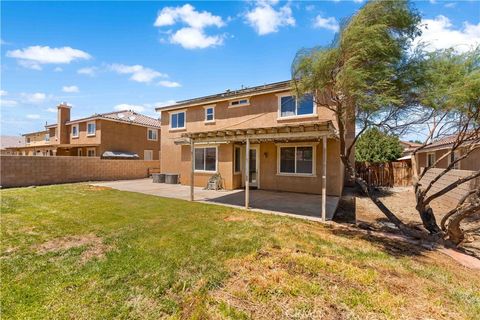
313	130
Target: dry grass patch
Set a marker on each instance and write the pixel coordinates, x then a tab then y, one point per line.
94	246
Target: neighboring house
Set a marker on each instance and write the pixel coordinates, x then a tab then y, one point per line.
121	134
284	136
10	142
434	151
408	147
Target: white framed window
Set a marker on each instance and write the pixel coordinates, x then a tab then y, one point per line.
237	159
430	159
296	159
290	106
47	137
206	159
91	128
209	113
453	157
148	155
240	102
91	152
75	130
152	134
79	152
177	120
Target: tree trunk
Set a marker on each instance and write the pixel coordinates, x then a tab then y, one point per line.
429	220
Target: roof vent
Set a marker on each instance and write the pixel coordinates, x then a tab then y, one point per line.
131	118
120	115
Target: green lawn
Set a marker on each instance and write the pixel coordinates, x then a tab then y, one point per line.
80	252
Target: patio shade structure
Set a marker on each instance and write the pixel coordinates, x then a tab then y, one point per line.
305	131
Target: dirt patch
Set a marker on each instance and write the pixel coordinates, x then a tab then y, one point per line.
401	200
234	218
292	284
95	248
97	188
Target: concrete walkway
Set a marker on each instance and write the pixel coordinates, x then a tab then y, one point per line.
306	206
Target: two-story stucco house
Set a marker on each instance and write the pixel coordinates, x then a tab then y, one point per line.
115	134
262	137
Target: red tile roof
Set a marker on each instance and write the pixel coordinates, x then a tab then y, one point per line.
444	142
127	116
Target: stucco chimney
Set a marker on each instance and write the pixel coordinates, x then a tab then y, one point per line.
63	116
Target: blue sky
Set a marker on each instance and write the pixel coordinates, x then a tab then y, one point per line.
102	56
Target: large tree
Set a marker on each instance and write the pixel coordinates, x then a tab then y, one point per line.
375	146
452	91
369	72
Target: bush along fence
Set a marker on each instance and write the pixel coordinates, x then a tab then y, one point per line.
22	171
391	174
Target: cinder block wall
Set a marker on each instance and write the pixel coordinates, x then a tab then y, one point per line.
21	171
453	175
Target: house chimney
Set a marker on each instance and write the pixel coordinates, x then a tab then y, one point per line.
63	116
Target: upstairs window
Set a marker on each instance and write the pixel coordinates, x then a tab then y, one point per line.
75	131
91	128
240	102
206	159
152	134
177	120
47	137
290	106
209	114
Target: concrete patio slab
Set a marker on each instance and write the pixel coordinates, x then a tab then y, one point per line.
300	205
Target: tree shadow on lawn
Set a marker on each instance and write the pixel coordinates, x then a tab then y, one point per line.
396	246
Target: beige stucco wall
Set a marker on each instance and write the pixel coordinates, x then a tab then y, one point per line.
118	136
471	162
36	139
83	138
262	112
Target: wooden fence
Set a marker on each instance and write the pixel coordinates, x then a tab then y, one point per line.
393	174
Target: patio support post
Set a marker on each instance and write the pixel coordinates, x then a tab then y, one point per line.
324	178
192	172
247	174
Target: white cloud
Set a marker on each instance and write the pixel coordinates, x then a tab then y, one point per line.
439	33
164	103
265	19
8	103
358	1
33	57
169	84
126	106
52	110
58	69
329	23
3	93
450	5
33	116
187	14
70	89
89	71
34	98
193	36
138	72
